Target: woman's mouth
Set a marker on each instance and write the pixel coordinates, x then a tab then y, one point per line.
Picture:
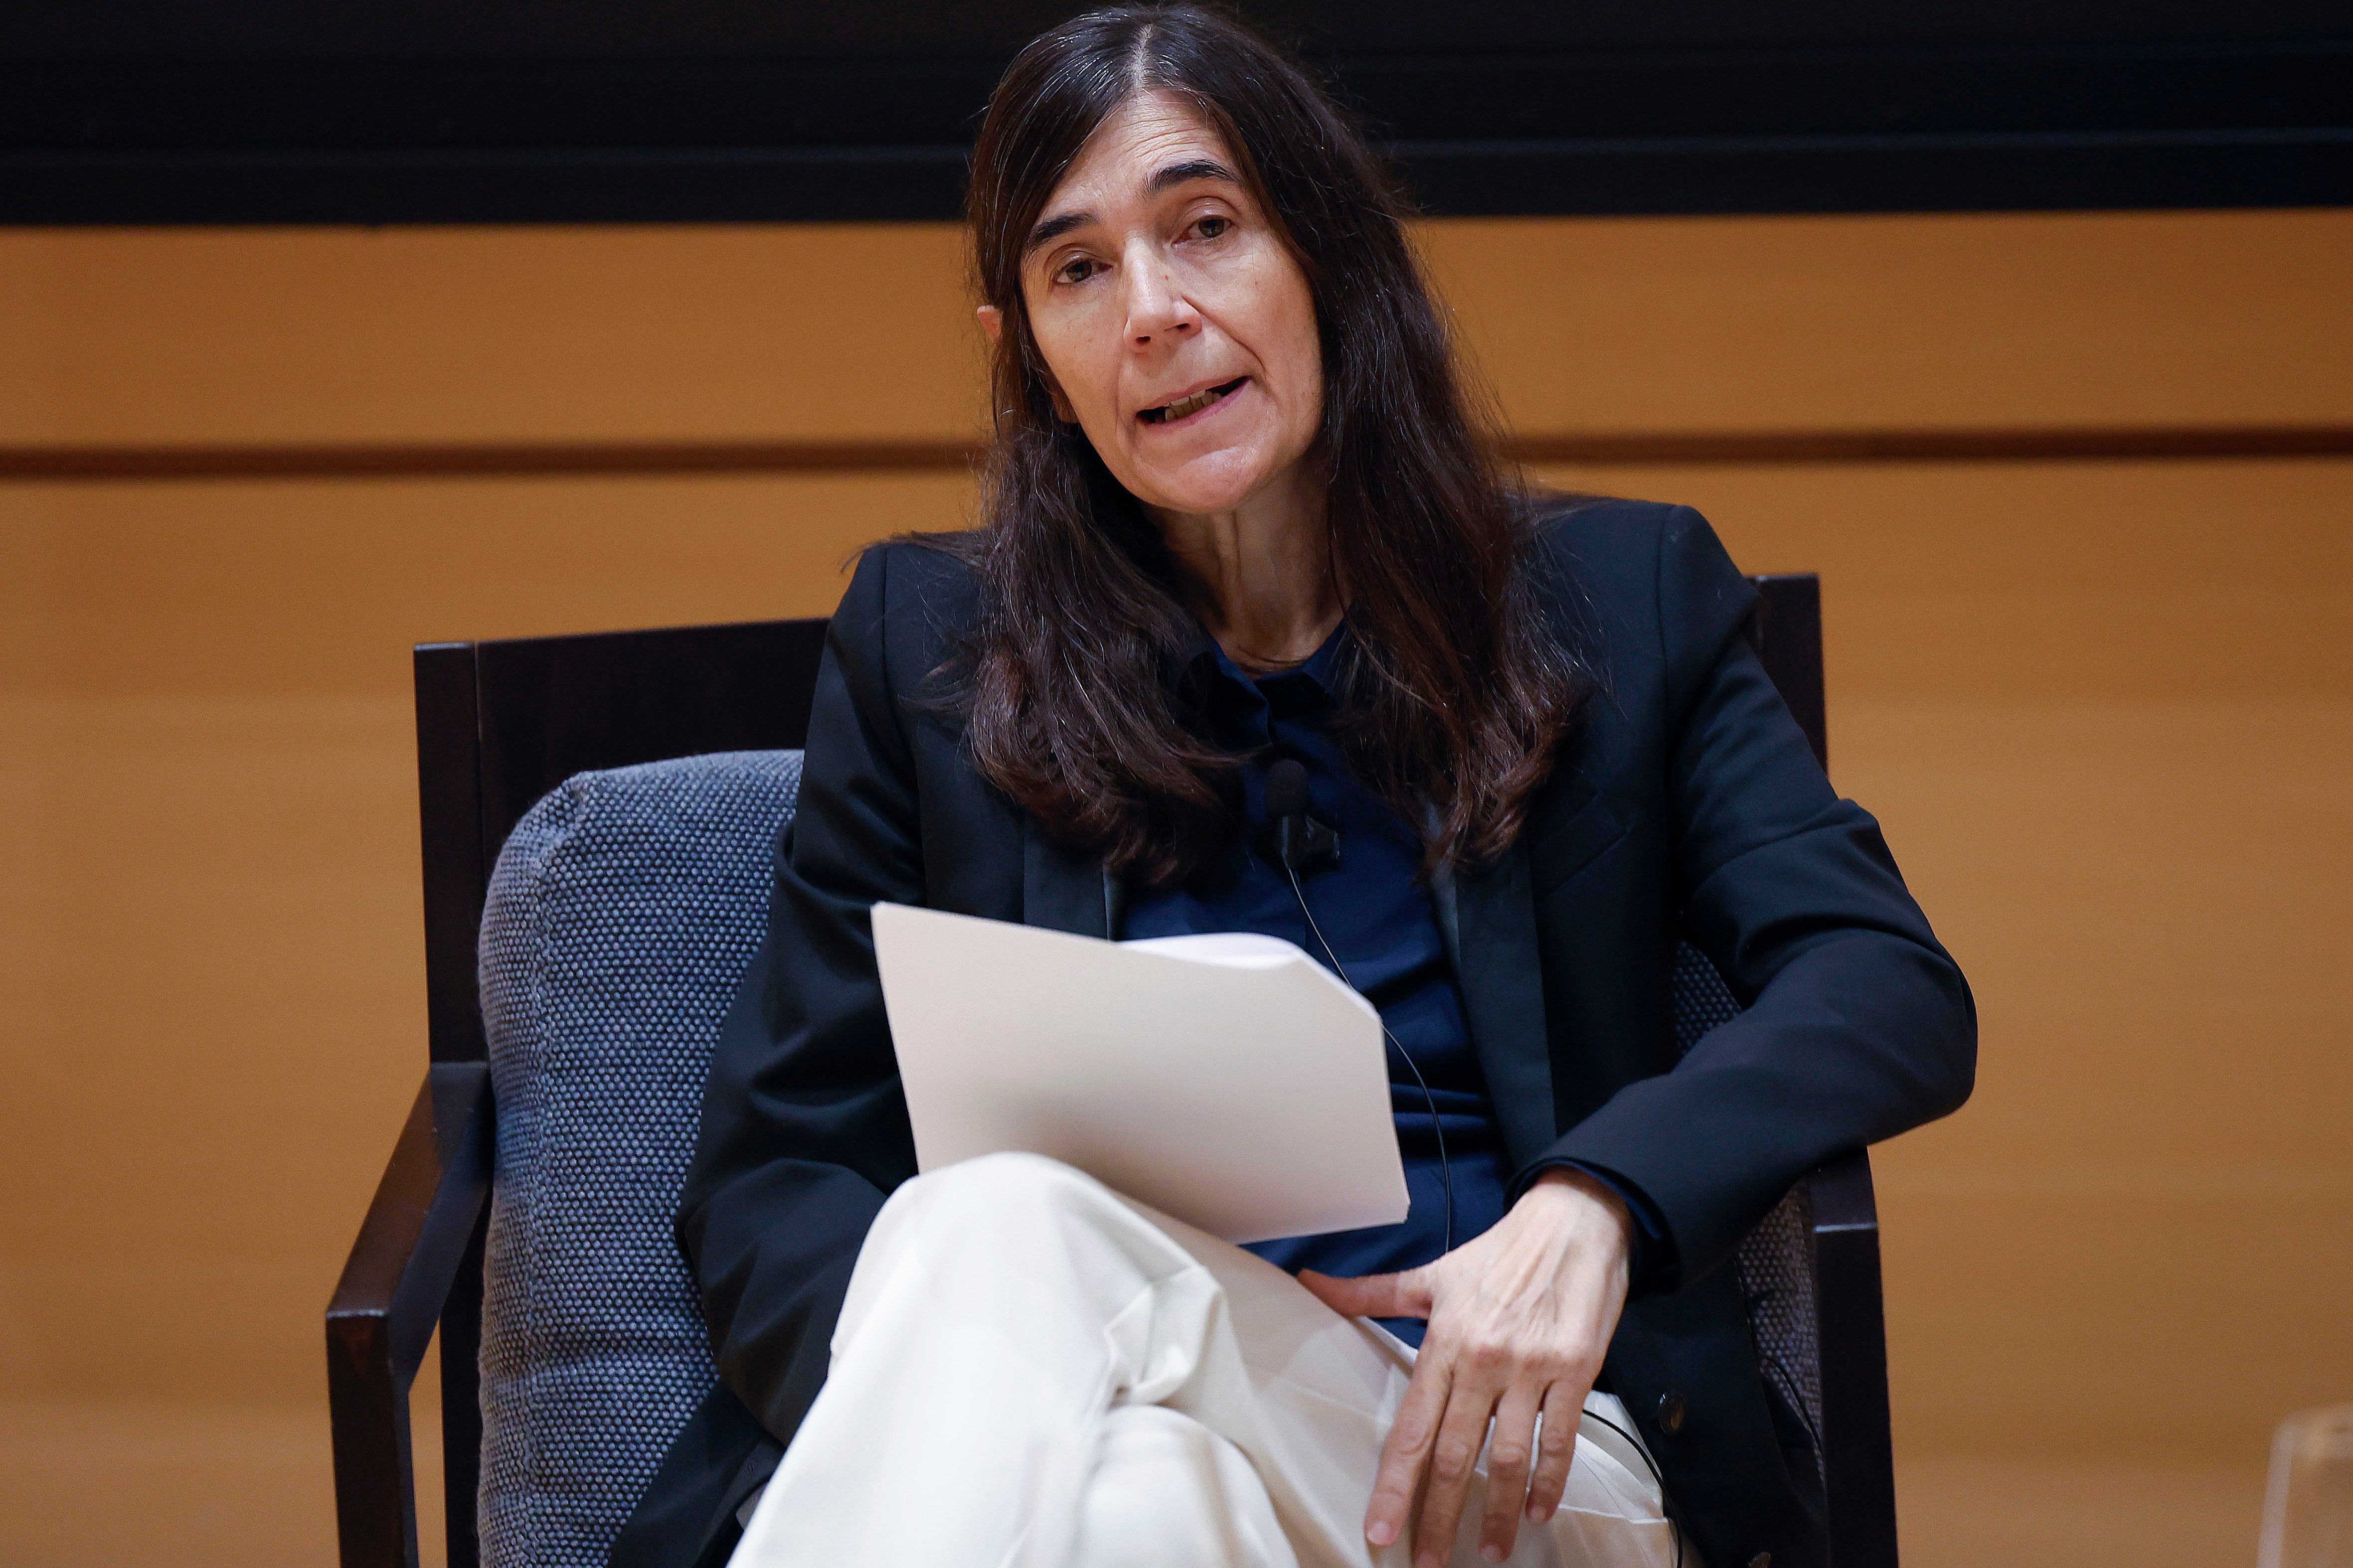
1170	413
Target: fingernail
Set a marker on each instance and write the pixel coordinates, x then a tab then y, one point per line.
1538	1512
1491	1553
1380	1532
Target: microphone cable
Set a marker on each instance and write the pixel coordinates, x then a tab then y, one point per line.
1293	791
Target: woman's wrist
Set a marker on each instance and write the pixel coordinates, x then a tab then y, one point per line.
1565	1184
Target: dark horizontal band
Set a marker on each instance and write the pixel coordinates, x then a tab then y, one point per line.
648	459
783	112
2309	167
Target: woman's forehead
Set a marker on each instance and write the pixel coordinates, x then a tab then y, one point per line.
1134	152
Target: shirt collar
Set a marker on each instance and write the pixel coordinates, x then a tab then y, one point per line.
1204	666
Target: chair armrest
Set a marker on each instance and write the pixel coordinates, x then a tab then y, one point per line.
1858	1449
392	1293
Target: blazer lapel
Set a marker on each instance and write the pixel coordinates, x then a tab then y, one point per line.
1063	890
1489	921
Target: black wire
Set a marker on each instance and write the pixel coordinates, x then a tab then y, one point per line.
1659	1480
1445	1170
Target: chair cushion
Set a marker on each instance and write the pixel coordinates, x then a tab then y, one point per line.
620	918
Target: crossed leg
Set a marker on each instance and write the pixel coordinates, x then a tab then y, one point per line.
1033	1371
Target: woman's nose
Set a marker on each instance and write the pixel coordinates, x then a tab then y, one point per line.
1157	310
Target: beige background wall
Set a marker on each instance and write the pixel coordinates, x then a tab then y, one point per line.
2104	709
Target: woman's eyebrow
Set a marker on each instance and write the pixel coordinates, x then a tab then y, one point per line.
1191	169
1055	227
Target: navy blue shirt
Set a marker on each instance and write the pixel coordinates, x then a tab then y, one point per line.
1378	917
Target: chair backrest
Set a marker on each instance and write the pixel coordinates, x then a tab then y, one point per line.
502	725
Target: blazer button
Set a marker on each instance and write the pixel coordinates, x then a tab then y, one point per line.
1672	1410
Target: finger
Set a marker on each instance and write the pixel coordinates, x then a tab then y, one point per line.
1563	1407
1509	1453
1453	1463
1405	1295
1406	1452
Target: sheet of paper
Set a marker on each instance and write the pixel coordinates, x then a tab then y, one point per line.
1227	1080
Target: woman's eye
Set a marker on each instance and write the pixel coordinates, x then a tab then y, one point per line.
1077	271
1212	227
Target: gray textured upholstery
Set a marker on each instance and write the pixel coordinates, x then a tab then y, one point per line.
1777	1259
620	917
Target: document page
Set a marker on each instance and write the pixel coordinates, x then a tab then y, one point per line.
1228	1080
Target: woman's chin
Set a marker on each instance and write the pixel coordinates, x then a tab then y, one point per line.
1213	482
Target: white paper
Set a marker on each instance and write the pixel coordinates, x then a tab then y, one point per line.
1227	1080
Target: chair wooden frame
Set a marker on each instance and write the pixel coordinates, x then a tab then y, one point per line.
498	724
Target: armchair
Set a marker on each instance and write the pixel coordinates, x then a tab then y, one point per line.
600	933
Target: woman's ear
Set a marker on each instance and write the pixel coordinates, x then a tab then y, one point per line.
992	322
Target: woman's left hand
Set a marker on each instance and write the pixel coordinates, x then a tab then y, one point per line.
1519	1320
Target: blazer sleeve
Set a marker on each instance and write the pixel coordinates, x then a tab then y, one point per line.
804	1129
1856	1025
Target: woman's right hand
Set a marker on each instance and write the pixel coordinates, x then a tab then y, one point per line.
1520	1318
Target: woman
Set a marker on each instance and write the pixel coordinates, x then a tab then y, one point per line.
1236	513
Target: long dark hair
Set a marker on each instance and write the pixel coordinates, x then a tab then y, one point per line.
1454	694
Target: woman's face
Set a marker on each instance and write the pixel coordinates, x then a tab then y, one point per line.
1178	327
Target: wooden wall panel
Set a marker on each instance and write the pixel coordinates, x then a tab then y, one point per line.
320	588
208	906
843	332
422	335
2102	707
1930	322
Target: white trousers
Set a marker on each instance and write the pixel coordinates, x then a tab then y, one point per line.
1032	1372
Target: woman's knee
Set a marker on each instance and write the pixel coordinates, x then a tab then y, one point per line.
1033	1226
994	1186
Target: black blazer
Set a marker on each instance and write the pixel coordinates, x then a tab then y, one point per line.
1685	803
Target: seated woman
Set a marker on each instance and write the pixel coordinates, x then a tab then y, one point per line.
1237	515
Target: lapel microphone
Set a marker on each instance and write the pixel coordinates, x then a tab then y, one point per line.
1298	842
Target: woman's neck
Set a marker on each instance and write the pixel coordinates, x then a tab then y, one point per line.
1259	577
